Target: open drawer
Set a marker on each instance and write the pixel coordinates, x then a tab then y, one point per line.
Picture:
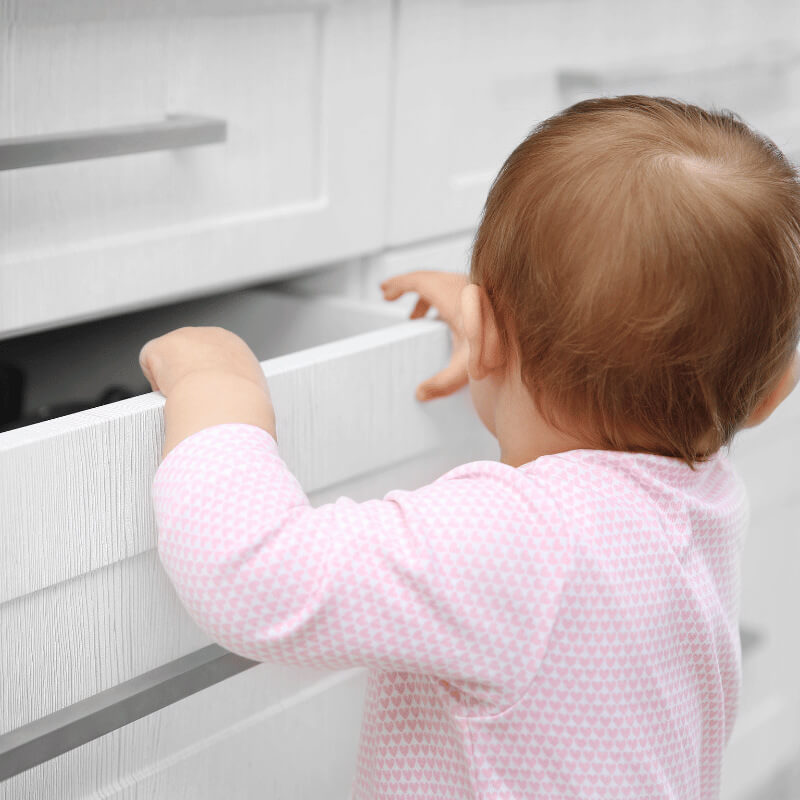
84	603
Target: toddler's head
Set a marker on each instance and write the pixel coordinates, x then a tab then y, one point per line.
642	260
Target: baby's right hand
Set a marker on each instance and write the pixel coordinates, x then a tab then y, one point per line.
442	290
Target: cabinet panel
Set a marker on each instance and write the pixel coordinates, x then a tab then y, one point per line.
269	732
300	179
470	82
474	77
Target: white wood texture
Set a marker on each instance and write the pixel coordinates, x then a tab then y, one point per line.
269	732
273	731
84	603
766	736
300	181
473	77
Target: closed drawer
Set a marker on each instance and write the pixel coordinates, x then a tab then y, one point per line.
265	733
299	179
84	603
473	77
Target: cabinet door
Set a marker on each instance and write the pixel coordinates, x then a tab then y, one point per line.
85	605
299	179
473	77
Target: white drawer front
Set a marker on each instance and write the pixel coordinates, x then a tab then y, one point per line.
84	603
475	76
300	179
293	730
270	732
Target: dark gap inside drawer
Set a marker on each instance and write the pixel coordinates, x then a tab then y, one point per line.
57	372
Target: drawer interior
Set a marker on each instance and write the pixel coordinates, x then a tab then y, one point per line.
83	366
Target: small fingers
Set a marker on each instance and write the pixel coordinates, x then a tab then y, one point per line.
391	292
144	364
392	289
398	285
444	383
420	309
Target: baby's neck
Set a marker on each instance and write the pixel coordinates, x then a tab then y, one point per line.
524	435
516	449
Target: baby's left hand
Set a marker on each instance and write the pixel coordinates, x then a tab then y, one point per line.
170	358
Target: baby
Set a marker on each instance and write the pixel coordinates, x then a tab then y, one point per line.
561	623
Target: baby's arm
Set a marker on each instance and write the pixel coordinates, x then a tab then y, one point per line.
460	579
209	376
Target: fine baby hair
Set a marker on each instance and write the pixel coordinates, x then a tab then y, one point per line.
642	257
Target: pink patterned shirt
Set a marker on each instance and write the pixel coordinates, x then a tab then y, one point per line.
565	629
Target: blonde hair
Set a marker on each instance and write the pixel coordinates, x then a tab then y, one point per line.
642	257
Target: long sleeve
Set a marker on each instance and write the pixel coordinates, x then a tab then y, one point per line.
460	579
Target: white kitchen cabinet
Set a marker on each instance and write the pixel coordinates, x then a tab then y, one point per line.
473	77
357	129
303	88
766	736
84	603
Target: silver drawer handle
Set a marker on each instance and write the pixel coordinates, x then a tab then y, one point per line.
64	730
57	733
179	130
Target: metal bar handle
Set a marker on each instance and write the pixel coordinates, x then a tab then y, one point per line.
75	725
179	130
57	733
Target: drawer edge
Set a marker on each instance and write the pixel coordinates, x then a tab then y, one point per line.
75	492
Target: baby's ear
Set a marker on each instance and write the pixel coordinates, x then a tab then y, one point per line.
481	332
788	380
